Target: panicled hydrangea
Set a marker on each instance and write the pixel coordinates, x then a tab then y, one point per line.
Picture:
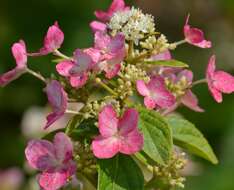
133	24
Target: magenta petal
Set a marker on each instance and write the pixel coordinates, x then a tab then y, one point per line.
142	88
149	102
79	81
64	67
20	54
98	26
105	147
112	70
128	122
187	74
108	121
94	54
190	100
223	82
101	40
162	56
40	154
131	142
58	100
11	75
63	147
53	180
116	44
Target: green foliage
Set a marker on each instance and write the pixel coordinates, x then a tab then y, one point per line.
157	136
119	173
168	63
187	136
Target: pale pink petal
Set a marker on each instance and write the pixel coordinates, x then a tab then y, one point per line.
20	54
162	56
149	102
58	100
11	75
101	40
64	67
116	44
79	81
94	53
40	154
190	100
187	74
131	142
63	147
211	68
217	95
98	26
128	122
108	121
53	179
142	88
111	70
223	82
105	147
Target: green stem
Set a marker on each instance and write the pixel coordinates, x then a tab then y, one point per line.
180	42
59	54
37	75
73	112
98	80
198	82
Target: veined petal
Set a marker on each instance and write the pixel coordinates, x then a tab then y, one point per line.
101	40
79	81
98	26
108	121
11	75
149	102
116	44
20	54
142	88
223	82
64	67
187	74
111	69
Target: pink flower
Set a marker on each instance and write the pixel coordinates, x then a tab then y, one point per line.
218	81
112	52
98	26
58	99
195	36
117	5
20	55
155	93
77	70
117	134
54	160
52	41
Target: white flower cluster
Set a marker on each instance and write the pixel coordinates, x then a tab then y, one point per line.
133	24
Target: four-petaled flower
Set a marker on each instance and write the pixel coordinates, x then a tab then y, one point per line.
117	5
20	55
195	36
218	81
117	134
111	52
155	93
58	100
54	160
77	70
52	41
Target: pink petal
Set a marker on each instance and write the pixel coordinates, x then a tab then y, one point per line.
63	147
217	95
195	36
40	154
79	81
149	102
187	74
142	88
53	180
190	100
162	56
116	44
128	122
98	26
131	143
101	40
20	54
223	82
105	147
64	67
11	75
111	70
58	100
94	54
108	121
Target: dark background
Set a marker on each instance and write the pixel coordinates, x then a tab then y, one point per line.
29	20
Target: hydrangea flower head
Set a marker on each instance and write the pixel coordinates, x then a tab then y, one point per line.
218	81
195	36
155	93
117	134
54	160
20	55
76	70
117	5
58	99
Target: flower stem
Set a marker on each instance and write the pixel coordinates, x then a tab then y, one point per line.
73	112
98	80
198	82
180	42
37	75
59	54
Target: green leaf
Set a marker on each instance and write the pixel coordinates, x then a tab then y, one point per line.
167	63
157	136
187	136
119	173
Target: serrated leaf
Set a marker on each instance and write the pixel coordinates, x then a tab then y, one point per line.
168	63
187	136
157	136
119	173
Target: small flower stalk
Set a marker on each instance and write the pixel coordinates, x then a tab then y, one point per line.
129	86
